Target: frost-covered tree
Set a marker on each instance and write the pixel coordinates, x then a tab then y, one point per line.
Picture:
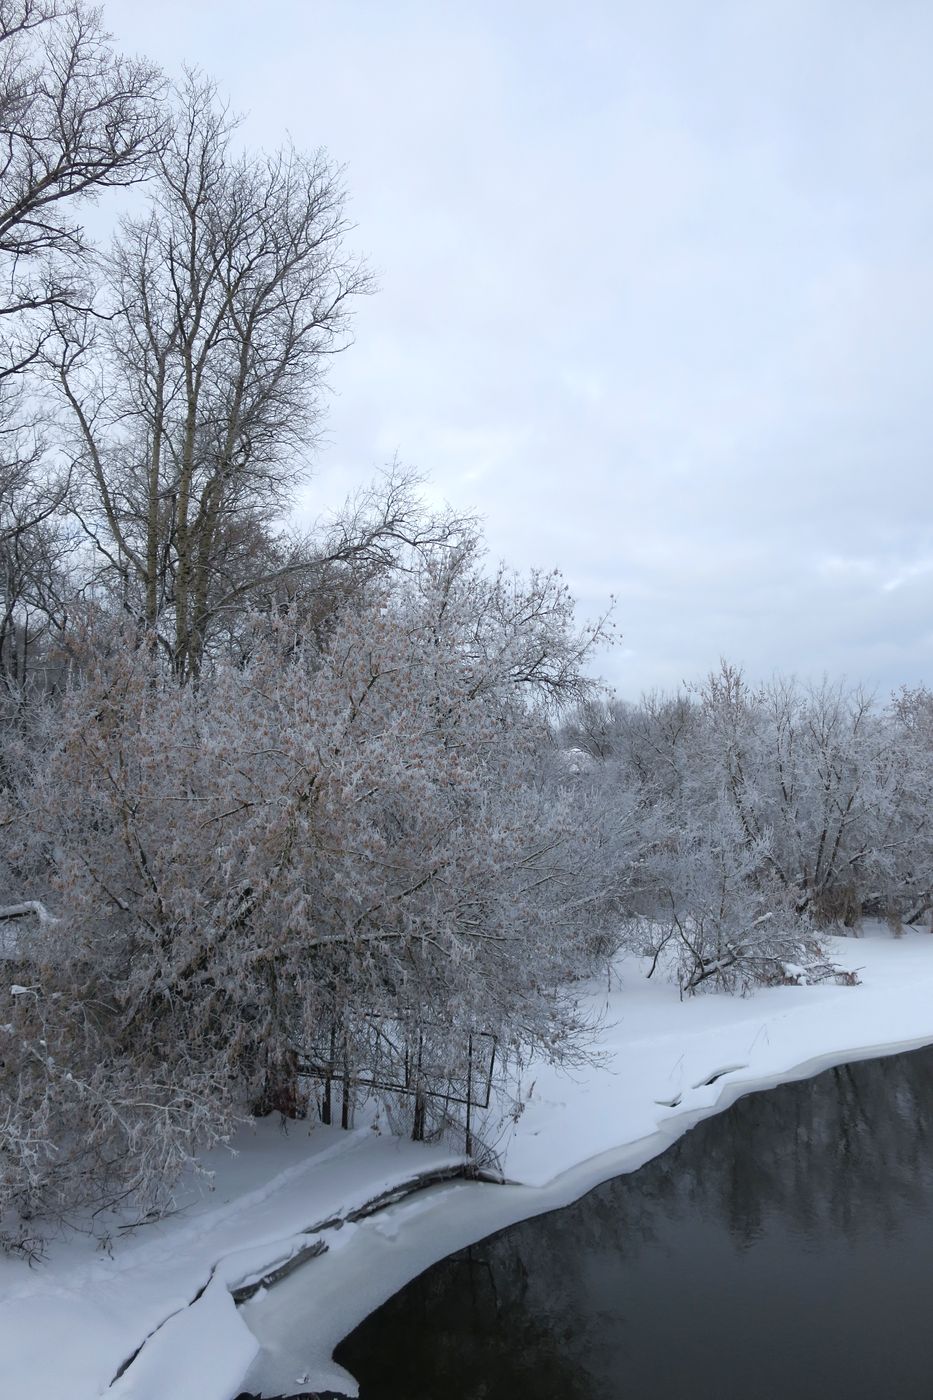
754	815
320	847
823	777
715	915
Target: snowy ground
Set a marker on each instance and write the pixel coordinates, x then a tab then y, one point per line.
69	1324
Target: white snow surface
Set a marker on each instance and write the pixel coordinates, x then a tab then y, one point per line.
69	1323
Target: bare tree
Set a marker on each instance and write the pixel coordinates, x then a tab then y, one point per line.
75	118
311	576
32	548
196	405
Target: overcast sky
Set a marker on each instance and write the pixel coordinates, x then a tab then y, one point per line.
656	297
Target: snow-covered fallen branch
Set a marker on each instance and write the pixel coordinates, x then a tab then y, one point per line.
28	906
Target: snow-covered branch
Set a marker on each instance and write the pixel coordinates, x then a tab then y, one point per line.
28	906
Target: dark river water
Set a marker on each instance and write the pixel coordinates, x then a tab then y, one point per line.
781	1249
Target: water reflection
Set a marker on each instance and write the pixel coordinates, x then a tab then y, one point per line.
784	1248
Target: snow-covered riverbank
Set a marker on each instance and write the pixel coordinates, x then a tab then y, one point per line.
69	1324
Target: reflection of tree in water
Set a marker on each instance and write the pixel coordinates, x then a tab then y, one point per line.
468	1328
540	1309
846	1153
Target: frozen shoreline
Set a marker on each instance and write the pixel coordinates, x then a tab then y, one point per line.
67	1326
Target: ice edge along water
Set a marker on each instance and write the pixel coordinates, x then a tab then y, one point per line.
300	1324
66	1326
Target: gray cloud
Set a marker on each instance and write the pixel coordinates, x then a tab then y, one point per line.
656	297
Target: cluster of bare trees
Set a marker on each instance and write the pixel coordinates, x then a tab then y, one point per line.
750	818
76	119
158	395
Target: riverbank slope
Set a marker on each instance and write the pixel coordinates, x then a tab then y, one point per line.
151	1315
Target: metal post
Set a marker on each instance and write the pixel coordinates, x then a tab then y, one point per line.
468	1145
